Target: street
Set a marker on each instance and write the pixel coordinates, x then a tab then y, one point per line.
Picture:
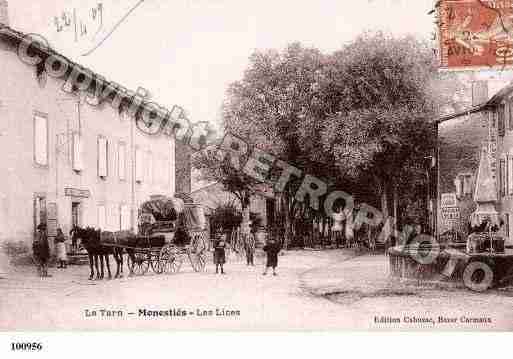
314	290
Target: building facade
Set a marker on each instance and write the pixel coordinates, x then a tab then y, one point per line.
65	162
481	133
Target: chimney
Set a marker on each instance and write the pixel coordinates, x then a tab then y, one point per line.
479	92
4	12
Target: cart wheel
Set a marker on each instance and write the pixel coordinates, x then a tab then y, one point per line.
157	264
140	264
169	260
202	262
198	262
478	276
174	264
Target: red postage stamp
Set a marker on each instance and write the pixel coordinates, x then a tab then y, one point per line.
475	33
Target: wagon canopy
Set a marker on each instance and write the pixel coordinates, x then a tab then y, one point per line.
163	208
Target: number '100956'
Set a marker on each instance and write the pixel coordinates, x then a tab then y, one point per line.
26	346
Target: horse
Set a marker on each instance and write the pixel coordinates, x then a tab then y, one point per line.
92	240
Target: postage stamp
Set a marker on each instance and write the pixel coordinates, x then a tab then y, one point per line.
475	33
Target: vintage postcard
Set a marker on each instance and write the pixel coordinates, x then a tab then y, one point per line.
229	165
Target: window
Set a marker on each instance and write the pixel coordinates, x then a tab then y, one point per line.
501	119
459	187
77	152
509	171
41	140
467	185
103	157
102	217
124	217
122	161
463	184
510	115
507	219
139	173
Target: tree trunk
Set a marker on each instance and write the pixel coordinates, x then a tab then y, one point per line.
245	228
395	204
288	222
384	201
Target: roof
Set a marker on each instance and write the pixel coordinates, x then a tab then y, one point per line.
494	101
9	35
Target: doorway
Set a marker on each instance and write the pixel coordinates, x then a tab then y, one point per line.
75	214
40	214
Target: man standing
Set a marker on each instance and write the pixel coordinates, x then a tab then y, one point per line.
249	247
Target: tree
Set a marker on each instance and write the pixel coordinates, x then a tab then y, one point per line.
382	130
266	106
219	170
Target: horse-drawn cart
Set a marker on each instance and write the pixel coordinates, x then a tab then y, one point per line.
174	232
170	232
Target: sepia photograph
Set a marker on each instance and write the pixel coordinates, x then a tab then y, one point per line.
255	166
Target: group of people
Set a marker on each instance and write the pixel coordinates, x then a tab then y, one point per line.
272	249
41	249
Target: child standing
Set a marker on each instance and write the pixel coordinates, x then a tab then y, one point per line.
272	248
60	248
219	253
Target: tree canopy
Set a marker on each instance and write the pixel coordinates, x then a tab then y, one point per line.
361	118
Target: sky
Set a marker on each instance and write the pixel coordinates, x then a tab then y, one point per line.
187	52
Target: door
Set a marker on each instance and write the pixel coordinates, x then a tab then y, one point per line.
75	214
39	211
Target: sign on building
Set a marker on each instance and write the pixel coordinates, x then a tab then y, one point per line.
448	200
74	192
451	213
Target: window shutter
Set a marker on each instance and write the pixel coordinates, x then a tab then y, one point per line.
139	169
458	185
510	175
510	115
467	189
102	157
122	161
507	224
77	152
502	177
501	120
41	140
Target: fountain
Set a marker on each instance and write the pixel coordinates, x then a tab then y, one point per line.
484	258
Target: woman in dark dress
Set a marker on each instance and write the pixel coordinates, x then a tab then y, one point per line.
272	248
219	252
60	248
41	250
